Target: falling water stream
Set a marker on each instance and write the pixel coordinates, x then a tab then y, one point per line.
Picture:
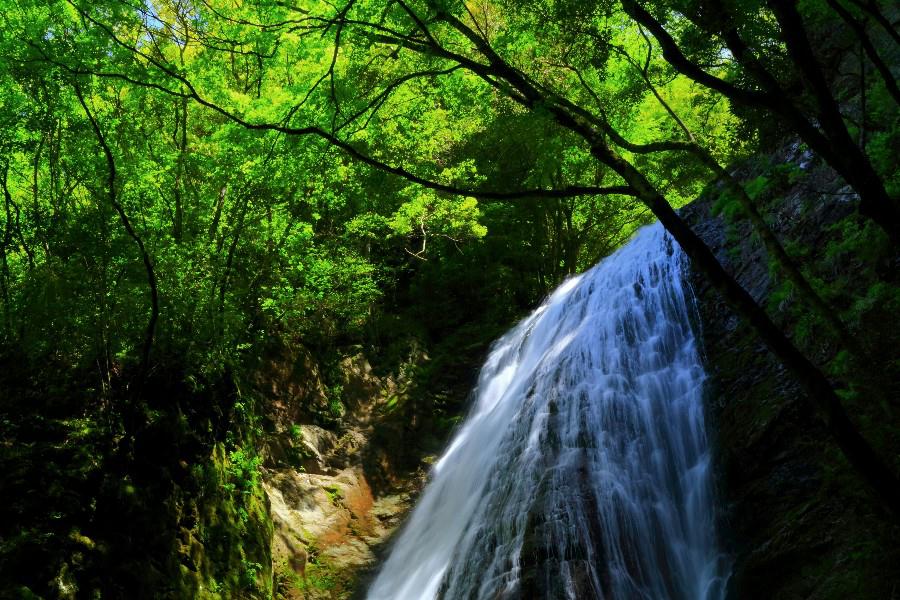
583	470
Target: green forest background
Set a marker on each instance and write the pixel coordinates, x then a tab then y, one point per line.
188	184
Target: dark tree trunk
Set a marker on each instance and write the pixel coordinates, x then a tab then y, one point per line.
855	167
832	143
819	390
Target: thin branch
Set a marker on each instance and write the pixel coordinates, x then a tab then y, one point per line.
871	8
860	30
126	223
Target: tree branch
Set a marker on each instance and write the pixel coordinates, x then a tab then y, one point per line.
114	201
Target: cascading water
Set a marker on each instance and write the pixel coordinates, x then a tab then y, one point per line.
583	470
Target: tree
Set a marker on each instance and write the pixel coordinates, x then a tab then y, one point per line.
769	71
447	52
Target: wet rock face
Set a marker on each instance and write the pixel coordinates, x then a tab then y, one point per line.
335	494
546	573
800	525
326	529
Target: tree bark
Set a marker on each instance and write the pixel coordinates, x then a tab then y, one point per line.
871	7
869	48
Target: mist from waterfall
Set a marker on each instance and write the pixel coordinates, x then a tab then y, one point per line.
583	470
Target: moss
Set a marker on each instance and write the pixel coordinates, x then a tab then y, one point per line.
335	495
320	579
234	530
803	526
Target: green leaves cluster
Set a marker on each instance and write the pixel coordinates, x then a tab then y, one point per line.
254	234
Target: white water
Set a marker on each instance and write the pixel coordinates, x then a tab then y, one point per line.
583	470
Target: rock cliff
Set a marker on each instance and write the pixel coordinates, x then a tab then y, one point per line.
337	489
801	524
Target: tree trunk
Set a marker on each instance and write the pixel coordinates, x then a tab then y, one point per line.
875	203
832	143
819	390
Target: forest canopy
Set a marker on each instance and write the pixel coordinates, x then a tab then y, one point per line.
275	165
236	131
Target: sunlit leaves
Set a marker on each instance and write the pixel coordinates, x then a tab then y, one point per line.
255	232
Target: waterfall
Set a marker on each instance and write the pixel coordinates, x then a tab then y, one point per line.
583	470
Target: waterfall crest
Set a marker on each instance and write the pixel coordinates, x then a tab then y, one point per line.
583	470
